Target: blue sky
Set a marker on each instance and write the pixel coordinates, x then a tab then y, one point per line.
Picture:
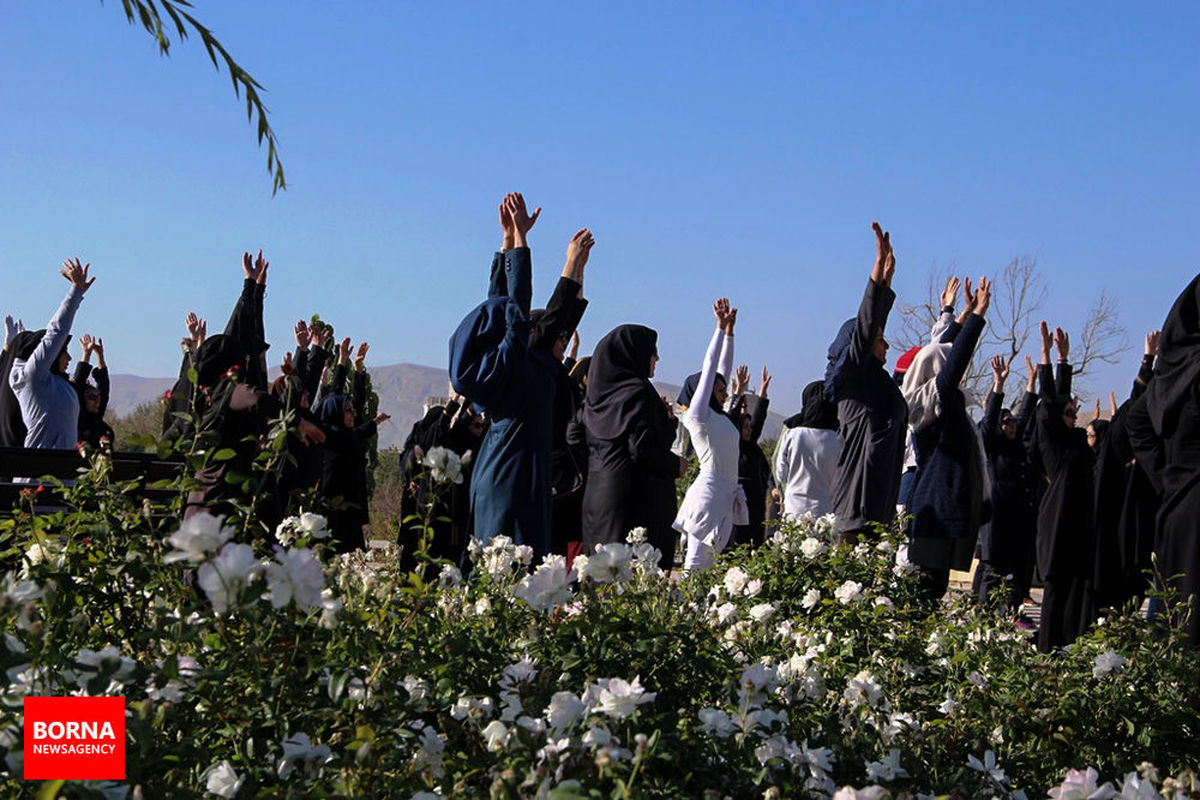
713	149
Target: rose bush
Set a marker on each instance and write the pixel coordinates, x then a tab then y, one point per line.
257	666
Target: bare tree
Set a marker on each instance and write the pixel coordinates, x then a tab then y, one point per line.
1019	296
1103	338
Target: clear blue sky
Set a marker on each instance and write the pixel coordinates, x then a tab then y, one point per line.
736	149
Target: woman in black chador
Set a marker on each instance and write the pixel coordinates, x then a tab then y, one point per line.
631	469
1066	536
1165	430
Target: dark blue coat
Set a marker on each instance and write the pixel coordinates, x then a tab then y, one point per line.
947	495
510	485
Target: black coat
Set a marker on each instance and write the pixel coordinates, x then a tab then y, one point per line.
754	473
1007	542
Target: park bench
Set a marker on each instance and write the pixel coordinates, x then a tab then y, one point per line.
22	469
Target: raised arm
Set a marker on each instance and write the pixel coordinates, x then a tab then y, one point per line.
876	303
566	305
963	348
699	409
58	329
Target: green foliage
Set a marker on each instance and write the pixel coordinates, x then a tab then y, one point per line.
146	13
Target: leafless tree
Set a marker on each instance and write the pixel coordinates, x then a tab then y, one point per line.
1019	297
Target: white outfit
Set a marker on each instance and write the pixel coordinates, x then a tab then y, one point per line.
805	463
707	514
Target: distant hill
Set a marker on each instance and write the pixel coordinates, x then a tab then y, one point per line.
402	390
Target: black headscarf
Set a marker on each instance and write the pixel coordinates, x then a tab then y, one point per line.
691	384
25	342
331	411
217	356
1178	368
817	412
620	397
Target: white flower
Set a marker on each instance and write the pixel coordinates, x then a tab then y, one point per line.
865	793
418	692
295	575
483	606
862	688
1079	785
444	465
330	608
617	697
609	564
725	612
886	769
903	565
598	736
753	587
637	536
308	524
548	587
735	580
496	735
450	576
949	706
198	536
811	598
848	592
298	747
988	765
1106	662
1135	787
107	660
522	671
883	601
812	547
565	710
221	780
976	680
762	612
224	577
716	722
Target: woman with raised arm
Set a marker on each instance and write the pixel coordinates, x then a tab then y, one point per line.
1007	542
806	457
754	471
347	440
872	415
1066	533
12	429
49	404
714	501
1164	426
511	487
93	400
631	469
947	501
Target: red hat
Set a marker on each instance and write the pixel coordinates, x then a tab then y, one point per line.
904	361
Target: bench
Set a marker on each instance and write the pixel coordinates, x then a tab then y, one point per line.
23	469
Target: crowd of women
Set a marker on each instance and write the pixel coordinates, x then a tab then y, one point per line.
571	453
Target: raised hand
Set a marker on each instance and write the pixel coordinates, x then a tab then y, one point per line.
522	219
766	381
741	379
77	275
1000	370
316	333
508	230
1063	343
1096	413
983	297
721	311
1047	341
344	351
950	292
381	418
260	269
302	334
1031	383
11	328
360	357
288	368
578	250
885	259
85	344
730	321
1112	404
1152	340
310	432
248	267
98	349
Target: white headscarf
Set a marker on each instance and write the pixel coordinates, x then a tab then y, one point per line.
920	384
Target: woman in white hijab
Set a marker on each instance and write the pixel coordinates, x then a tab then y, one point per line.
947	503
